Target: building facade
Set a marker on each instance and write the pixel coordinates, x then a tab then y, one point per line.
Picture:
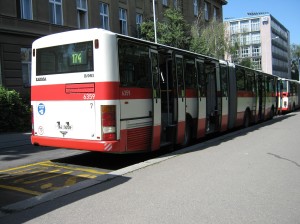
262	39
23	21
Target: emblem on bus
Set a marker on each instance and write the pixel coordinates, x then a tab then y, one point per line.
41	109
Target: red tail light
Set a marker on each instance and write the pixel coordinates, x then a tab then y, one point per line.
108	115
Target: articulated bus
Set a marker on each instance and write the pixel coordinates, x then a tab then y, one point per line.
100	91
289	95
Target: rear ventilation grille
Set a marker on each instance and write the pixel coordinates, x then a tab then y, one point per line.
139	139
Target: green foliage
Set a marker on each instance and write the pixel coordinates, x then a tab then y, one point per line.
209	39
173	31
295	51
246	62
14	113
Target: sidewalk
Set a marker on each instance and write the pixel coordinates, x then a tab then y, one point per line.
8	140
249	176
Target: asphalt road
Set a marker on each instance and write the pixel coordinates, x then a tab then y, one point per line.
249	176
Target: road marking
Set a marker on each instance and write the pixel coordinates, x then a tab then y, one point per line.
39	178
20	189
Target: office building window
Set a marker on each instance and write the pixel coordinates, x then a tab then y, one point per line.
245	52
104	16
123	21
206	15
82	14
56	16
255	25
26	9
234	28
26	66
139	20
256	38
244	26
256	50
256	63
196	11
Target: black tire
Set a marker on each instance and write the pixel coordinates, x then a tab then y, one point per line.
247	119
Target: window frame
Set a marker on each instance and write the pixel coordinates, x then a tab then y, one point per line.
104	16
23	5
82	9
54	10
123	21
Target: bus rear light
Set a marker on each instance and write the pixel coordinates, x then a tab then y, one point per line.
108	118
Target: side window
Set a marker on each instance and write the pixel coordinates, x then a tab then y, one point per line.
240	79
250	81
224	81
190	73
180	77
134	65
201	78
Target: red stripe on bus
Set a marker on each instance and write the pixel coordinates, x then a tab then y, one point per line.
103	91
107	146
135	93
245	94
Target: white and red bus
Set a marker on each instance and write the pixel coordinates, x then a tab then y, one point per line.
101	91
289	91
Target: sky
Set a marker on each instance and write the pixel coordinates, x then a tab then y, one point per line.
286	12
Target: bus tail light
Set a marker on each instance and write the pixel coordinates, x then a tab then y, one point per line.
108	115
32	121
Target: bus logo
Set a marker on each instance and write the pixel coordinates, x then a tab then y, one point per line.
41	109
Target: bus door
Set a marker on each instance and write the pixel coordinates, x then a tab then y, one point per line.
214	99
224	92
156	100
167	83
201	107
180	98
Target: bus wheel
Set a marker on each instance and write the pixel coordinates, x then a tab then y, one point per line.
272	113
247	119
187	134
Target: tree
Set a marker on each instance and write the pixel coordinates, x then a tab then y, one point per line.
209	39
295	56
173	31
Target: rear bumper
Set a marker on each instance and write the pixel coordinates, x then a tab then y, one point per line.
89	145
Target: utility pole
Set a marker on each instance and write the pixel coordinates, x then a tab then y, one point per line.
154	21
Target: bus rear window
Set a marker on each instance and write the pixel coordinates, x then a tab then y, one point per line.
76	57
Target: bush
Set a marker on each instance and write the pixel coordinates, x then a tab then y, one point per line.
14	112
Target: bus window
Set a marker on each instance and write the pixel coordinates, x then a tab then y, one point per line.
77	57
250	81
190	74
240	79
134	65
224	81
201	78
